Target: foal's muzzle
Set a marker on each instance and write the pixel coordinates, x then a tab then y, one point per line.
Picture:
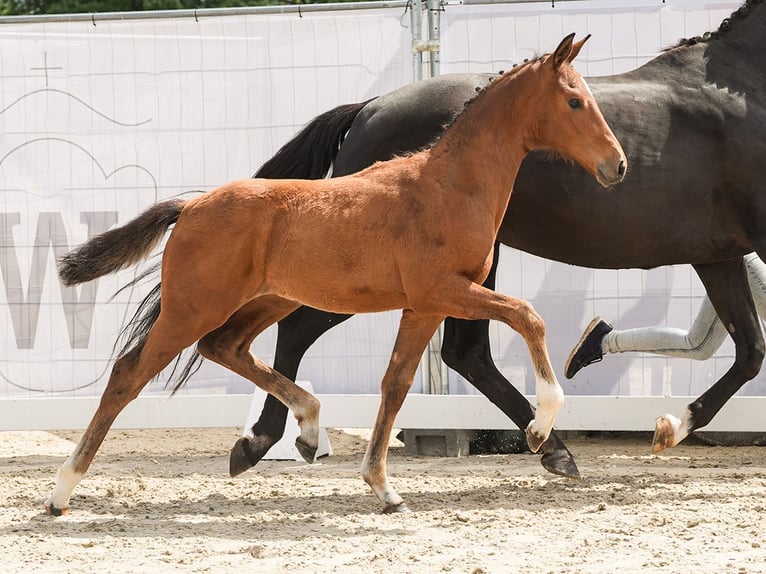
611	173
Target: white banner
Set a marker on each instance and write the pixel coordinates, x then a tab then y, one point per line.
99	121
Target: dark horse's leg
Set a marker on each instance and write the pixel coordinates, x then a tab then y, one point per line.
297	332
726	285
466	349
308	155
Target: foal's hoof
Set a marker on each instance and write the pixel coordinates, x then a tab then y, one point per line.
245	453
307	452
558	460
400	508
664	434
53	511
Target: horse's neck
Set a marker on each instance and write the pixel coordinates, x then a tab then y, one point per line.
750	29
738	55
746	40
480	154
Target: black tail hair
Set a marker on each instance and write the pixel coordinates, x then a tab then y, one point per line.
120	247
310	154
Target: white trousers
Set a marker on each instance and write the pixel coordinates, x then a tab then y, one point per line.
706	333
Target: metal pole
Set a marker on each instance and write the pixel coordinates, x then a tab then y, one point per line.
435	372
416	29
434	35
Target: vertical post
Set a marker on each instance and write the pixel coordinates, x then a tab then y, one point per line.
434	35
434	371
434	367
416	30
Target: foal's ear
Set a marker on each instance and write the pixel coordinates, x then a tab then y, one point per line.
561	54
576	47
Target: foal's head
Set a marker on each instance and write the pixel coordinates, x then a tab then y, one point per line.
570	121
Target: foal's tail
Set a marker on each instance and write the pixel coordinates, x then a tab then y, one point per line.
310	154
120	247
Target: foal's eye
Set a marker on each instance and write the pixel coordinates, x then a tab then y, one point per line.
574	103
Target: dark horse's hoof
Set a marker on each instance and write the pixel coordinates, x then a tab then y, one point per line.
664	433
307	452
557	458
246	453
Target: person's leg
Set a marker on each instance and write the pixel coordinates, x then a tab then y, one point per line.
756	277
698	343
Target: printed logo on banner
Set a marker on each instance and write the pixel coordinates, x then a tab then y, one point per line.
57	191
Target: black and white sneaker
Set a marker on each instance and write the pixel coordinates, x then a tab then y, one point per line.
588	348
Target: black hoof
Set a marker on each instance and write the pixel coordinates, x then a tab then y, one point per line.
307	452
400	508
245	454
560	461
588	349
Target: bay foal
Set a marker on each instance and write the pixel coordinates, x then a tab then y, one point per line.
417	231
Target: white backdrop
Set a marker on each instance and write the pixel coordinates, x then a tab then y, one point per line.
100	121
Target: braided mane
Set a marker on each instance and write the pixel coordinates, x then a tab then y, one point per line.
725	26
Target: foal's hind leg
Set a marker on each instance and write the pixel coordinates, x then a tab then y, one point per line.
297	332
414	333
229	345
130	374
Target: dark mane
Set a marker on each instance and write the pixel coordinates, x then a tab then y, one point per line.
724	27
480	90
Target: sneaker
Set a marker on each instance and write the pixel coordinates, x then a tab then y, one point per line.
588	348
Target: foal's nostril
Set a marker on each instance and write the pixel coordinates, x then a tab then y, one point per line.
621	168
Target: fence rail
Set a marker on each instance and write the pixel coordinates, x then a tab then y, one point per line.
599	413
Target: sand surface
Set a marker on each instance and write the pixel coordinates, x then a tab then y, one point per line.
161	501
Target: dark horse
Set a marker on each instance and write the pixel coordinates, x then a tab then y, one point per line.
693	124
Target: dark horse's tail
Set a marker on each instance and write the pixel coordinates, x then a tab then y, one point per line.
121	247
308	155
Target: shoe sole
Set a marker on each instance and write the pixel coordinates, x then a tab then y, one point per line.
588	330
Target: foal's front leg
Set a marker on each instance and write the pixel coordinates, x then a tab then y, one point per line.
463	299
414	333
